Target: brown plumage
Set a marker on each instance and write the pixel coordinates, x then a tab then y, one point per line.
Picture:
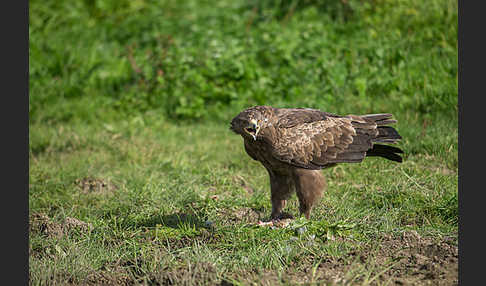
293	144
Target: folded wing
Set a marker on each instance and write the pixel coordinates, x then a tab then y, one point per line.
313	140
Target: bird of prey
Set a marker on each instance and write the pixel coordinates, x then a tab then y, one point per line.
293	144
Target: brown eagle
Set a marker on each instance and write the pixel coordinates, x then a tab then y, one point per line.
293	144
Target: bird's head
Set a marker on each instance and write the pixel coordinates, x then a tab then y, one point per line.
249	123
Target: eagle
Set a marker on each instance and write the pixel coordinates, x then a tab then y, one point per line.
294	144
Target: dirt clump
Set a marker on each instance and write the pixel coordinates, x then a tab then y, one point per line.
240	215
109	278
70	223
41	223
95	185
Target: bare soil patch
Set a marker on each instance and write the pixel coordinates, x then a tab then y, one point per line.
419	260
405	259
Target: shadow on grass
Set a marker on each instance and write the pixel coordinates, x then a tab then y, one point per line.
176	220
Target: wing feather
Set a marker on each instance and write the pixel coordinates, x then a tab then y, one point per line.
313	139
315	144
291	117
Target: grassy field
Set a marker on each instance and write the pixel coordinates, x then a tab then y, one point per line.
135	178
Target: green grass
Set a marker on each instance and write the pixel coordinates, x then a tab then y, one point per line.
207	60
166	176
139	95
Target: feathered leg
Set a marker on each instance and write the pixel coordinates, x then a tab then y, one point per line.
280	193
309	185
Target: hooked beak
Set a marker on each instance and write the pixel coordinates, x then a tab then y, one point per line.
253	128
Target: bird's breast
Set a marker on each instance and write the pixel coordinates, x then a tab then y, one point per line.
263	152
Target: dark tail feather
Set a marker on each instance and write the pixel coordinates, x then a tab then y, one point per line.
387	134
385	151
